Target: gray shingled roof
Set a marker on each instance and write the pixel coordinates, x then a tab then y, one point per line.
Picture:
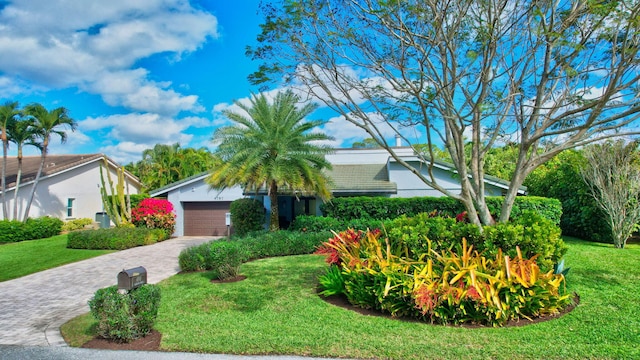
369	178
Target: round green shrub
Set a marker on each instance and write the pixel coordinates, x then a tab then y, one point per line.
247	215
128	316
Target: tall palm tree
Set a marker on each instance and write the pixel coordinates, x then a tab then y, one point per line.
8	114
21	133
161	165
46	124
272	148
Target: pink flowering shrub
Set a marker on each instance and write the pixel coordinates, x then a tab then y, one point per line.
154	214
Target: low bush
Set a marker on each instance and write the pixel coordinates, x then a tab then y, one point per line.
125	317
225	256
114	238
33	229
264	244
42	227
12	231
76	224
452	286
247	215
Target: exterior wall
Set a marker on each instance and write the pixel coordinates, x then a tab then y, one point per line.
198	191
52	194
410	185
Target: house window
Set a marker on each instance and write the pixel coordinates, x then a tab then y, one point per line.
70	203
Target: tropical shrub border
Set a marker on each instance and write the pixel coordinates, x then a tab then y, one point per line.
454	286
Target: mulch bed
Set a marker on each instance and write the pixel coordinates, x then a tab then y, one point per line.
151	342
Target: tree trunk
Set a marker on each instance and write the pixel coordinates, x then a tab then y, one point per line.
5	209
274	223
17	187
35	183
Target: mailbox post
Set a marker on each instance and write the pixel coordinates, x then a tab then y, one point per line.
130	279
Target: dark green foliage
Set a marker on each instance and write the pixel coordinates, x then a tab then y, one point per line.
222	256
388	208
124	317
560	178
11	231
310	223
115	238
331	282
443	232
281	243
546	207
247	215
224	259
532	233
194	258
33	229
391	208
42	228
136	199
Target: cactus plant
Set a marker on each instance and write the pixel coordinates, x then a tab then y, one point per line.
116	204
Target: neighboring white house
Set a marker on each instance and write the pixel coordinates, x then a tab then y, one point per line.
356	172
69	187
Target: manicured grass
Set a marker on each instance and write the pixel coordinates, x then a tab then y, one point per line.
27	257
276	311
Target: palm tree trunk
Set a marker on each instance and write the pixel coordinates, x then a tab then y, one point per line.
5	209
274	223
35	183
17	187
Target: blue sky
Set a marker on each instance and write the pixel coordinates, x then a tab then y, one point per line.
134	73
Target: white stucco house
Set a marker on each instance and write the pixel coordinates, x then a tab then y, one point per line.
356	172
69	187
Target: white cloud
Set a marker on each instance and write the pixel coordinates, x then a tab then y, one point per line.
125	136
93	44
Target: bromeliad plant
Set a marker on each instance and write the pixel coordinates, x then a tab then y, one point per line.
456	285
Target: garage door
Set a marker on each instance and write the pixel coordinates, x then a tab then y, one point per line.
205	218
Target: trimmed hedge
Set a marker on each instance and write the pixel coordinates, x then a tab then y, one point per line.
115	238
33	229
125	317
312	223
224	257
349	208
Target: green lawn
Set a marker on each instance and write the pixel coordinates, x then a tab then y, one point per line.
276	311
27	257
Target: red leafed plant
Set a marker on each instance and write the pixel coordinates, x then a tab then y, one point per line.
330	248
154	214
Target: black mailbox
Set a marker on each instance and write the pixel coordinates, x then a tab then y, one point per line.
132	278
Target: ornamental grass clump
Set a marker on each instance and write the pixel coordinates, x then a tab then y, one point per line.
452	286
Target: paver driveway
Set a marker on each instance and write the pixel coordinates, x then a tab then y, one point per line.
33	307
